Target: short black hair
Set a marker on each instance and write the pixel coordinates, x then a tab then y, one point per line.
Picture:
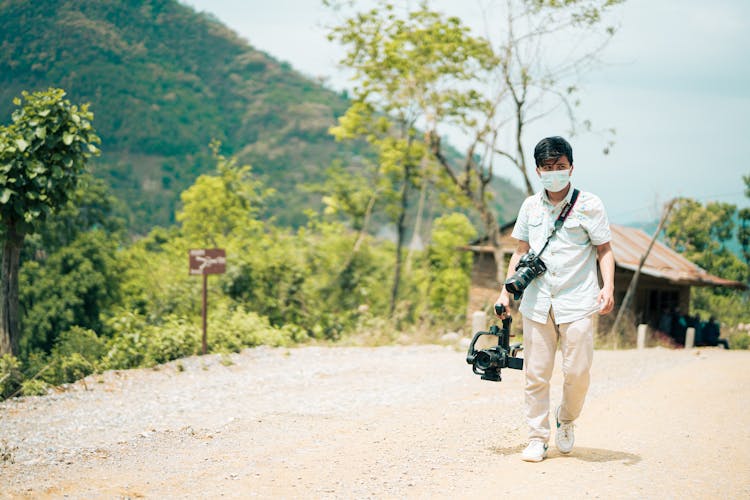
552	148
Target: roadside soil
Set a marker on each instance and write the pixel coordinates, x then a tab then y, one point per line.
386	422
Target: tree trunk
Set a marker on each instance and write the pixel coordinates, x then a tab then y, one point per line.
401	236
415	237
9	309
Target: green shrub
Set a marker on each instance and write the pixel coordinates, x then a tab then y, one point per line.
175	339
11	376
135	343
36	364
73	367
81	341
739	339
235	330
34	387
128	344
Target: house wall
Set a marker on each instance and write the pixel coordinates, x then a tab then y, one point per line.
653	296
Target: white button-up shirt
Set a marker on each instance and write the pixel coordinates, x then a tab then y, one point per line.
570	285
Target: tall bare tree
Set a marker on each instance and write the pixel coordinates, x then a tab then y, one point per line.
543	48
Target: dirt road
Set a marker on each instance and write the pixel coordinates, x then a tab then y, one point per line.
390	422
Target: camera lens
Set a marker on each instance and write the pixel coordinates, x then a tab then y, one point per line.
486	359
520	280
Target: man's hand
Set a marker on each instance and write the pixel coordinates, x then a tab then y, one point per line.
503	300
606	300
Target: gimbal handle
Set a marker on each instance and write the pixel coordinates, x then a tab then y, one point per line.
500	310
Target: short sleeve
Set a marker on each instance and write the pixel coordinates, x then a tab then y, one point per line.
521	229
595	220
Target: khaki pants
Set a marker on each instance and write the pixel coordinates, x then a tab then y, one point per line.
539	345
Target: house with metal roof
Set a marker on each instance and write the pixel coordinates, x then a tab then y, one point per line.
664	283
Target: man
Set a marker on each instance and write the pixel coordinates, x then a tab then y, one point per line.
558	305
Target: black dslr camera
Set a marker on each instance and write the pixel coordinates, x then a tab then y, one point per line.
489	362
529	267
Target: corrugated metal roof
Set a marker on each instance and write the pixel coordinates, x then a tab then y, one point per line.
629	245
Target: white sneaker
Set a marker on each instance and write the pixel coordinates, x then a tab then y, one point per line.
564	437
536	451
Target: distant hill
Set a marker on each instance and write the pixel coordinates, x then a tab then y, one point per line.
163	81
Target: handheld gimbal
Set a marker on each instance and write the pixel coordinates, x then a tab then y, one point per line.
488	362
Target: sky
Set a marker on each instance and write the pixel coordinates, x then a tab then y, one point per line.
674	83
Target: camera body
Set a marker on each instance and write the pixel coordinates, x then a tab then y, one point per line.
529	267
488	362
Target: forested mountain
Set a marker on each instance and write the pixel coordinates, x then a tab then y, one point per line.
163	81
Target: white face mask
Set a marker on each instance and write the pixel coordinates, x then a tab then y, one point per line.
556	180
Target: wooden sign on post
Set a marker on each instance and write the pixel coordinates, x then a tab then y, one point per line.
204	262
208	261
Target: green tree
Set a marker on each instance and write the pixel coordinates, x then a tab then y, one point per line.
743	232
448	79
42	155
411	73
702	234
544	48
92	206
352	194
449	269
217	206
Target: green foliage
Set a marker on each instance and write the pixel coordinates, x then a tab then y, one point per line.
166	80
81	341
351	193
235	330
449	268
173	339
75	355
743	231
135	343
739	340
731	309
218	206
584	12
34	387
42	154
127	345
92	206
413	61
702	234
73	286
73	367
154	279
281	287
10	375
419	70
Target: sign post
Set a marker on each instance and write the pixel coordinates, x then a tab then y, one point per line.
204	262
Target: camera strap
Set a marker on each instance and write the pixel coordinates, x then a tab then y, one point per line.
561	218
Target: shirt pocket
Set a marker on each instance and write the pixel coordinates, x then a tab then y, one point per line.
537	232
575	232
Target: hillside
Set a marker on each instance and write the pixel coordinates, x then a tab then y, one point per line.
163	81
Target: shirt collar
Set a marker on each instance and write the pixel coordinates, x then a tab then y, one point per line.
567	198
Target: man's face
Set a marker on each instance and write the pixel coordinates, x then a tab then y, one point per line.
552	165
